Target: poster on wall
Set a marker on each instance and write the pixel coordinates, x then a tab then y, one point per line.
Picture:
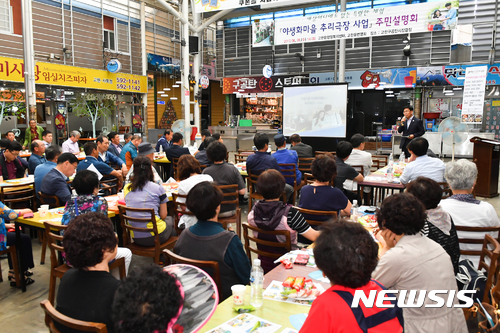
431	16
474	89
262	33
492	108
439	104
372	79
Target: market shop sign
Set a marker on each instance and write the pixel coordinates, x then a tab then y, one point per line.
261	84
12	69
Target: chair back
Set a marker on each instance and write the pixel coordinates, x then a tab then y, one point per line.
22	196
379	161
110	185
317	153
51	200
478	240
213	267
286	246
54	241
491	250
309	178
446	190
246	152
128	227
305	164
52	315
180	209
239	158
252	192
312	221
359	168
174	166
231	197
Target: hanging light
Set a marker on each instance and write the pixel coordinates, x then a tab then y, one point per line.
175	86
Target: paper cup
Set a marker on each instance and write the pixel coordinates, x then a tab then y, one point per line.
46	207
121	196
238	294
42	212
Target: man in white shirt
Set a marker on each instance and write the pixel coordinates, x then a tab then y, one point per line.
421	164
47	138
358	157
71	145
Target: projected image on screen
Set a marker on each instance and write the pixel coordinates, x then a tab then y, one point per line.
315	111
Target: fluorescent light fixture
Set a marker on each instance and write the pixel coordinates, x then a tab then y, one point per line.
178	82
175	86
389	92
449	94
457	88
166	89
164	95
173	98
389	95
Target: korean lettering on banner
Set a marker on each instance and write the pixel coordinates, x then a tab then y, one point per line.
474	90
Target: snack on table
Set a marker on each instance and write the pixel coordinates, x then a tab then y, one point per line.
243	309
289	282
302	259
368	220
299	283
287	263
308	290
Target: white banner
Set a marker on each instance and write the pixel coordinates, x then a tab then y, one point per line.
433	16
204	6
473	100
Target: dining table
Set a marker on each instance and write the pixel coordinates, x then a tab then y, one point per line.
273	311
378	180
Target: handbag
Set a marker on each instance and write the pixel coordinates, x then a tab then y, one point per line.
470	278
476	320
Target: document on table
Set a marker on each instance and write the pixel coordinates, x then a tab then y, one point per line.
246	322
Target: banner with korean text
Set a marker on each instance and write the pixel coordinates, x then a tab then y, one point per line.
261	84
204	6
12	69
432	16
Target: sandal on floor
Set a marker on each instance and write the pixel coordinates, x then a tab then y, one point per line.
27	273
28	281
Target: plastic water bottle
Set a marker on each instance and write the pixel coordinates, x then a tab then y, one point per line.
256	284
390	174
391	160
402	159
354	211
161	149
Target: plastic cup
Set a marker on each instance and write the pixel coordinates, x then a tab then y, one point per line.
46	207
42	212
238	294
121	196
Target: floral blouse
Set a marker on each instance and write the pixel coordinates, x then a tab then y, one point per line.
80	204
9	214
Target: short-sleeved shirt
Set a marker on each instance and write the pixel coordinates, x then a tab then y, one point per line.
296	221
344	171
326	198
184	187
69	146
225	174
103	168
80	204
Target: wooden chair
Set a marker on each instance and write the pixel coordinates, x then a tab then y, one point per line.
286	245
491	249
54	240
446	190
180	209
288	171
317	153
51	315
479	240
231	197
380	161
331	214
153	251
246	152
308	178
240	158
174	165
19	195
110	185
305	164
213	267
13	255
252	193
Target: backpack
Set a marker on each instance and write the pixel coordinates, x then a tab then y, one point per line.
470	278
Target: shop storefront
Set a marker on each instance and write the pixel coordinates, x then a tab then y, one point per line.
113	101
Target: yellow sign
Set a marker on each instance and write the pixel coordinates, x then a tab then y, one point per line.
12	69
495	103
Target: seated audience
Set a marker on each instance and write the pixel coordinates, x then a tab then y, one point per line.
207	239
10	167
115	147
347	254
303	150
421	164
223	173
201	156
145	149
3	144
87	290
86	185
10	136
176	150
345	171
51	155
285	156
165	141
55	181
204	134
320	195
438	226
71	145
108	158
148	300
8	238
34	132
47	138
143	192
91	158
36	158
189	174
273	214
217	137
411	261
127	137
261	160
465	210
359	157
129	151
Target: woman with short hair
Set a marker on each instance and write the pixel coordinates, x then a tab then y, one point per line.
464	208
439	225
411	261
273	214
87	290
347	254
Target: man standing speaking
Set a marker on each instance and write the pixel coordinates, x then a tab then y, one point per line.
411	127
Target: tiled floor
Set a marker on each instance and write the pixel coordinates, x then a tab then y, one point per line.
21	312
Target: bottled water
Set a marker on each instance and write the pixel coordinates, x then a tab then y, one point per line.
354	211
401	159
256	284
390	175
391	160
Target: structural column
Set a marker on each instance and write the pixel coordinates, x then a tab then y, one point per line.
185	71
29	61
197	61
144	66
342	50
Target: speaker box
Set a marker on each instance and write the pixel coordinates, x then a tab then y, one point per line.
193	44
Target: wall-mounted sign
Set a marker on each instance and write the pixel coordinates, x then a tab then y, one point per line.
261	84
267	71
12	69
204	6
474	88
204	82
114	66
